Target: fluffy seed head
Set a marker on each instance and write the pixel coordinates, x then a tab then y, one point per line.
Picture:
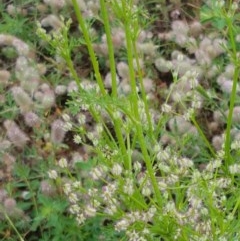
108	80
22	99
21	47
10	204
47	189
217	142
55	4
15	134
195	29
48	99
163	65
57	131
180	27
4	77
123	70
52	21
61	90
31	119
3	195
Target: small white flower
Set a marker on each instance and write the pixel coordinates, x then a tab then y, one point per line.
52	174
146	191
117	169
96	173
74	209
122	225
137	166
77	139
128	187
187	116
73	198
67	188
99	128
166	108
95	142
63	163
234	169
90	136
66	117
67	126
235	145
81	119
111	209
80	219
163	167
90	211
77	184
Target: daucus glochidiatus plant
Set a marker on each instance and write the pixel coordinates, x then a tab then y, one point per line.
140	182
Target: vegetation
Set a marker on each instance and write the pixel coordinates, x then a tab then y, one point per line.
119	120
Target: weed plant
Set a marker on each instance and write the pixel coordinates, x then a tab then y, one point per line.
122	163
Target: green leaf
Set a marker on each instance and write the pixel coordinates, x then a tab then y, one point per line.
22	171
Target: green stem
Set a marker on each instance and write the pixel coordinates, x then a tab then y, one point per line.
203	136
89	46
13	227
143	93
227	145
117	121
110	47
134	97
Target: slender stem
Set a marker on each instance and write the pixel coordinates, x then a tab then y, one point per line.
203	136
134	97
89	46
143	92
117	121
13	227
110	47
227	146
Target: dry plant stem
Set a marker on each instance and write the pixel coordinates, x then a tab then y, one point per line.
134	97
227	144
110	47
117	121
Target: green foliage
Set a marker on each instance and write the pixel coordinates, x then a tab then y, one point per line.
181	197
